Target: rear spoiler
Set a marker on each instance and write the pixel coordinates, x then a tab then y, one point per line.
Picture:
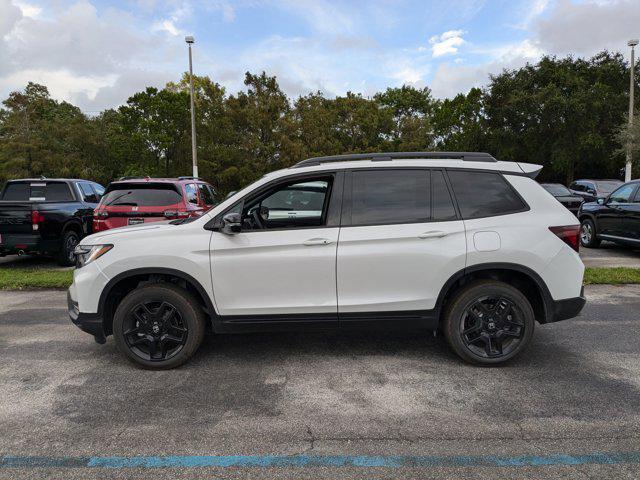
531	170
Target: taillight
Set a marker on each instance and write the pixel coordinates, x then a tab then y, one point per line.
175	214
36	219
569	234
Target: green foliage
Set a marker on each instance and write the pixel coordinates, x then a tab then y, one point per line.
566	114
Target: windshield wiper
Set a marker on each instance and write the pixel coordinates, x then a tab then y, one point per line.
118	198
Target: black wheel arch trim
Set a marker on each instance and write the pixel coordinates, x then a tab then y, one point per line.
106	291
550	306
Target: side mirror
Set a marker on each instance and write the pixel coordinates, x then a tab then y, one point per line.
600	201
231	223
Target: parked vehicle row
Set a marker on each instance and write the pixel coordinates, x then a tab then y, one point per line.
561	193
50	216
456	242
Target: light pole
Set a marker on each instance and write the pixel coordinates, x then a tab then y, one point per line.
194	153
632	43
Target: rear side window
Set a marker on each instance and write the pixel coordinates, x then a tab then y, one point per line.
484	194
192	193
390	196
38	192
141	195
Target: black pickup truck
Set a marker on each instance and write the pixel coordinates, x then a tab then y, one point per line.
47	216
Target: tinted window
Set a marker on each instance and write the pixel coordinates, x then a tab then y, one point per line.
622	194
484	194
141	195
38	192
578	187
99	189
390	196
441	205
205	194
87	193
192	193
636	199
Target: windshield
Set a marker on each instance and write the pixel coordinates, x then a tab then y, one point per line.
608	187
141	195
556	189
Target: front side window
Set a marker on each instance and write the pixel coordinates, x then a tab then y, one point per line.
298	204
484	194
622	194
205	194
381	197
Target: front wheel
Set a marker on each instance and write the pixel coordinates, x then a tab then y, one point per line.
159	326
488	322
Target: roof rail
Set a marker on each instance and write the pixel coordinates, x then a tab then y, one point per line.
188	177
133	178
388	156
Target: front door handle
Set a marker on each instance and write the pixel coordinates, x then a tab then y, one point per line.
433	234
317	241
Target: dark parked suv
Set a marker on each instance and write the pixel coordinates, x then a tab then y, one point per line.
46	216
615	218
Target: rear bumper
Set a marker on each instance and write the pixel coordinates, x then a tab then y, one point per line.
13	243
567	308
90	323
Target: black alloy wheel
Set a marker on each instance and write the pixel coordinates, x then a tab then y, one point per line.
488	322
159	325
155	331
492	326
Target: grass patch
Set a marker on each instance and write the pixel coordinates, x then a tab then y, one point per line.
611	276
28	278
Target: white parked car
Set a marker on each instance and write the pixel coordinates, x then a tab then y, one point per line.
457	242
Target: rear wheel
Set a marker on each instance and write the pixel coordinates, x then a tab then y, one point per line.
159	326
488	322
588	234
70	240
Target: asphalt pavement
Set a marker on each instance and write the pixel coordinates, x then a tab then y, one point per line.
322	405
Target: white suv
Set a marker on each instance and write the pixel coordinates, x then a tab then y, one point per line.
458	242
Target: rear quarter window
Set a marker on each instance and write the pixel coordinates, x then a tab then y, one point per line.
484	194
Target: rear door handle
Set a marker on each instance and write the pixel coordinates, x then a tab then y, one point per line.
317	241
433	234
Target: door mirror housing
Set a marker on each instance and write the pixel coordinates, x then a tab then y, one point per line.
231	223
600	201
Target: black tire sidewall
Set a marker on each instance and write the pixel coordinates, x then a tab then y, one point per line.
189	309
63	255
462	300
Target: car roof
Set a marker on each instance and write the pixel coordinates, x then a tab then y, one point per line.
598	180
17	180
159	180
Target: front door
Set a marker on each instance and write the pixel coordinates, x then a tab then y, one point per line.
400	238
611	219
282	265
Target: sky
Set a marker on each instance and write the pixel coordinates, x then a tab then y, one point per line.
96	53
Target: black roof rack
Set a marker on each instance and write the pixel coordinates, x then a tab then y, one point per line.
188	177
388	156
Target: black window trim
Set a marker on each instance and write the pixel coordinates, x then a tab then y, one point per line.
334	206
632	195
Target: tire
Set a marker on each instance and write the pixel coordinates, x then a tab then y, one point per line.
497	317
70	240
148	321
588	234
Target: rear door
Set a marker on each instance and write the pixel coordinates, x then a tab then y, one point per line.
400	240
632	220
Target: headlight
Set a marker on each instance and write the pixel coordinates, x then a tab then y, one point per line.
88	253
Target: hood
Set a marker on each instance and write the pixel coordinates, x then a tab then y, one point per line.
113	234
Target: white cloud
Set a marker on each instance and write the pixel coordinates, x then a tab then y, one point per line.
446	43
165	26
29	10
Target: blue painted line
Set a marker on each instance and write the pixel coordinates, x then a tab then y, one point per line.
305	461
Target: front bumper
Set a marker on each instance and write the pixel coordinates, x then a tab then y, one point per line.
87	322
567	308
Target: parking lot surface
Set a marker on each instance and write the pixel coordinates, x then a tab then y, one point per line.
570	404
